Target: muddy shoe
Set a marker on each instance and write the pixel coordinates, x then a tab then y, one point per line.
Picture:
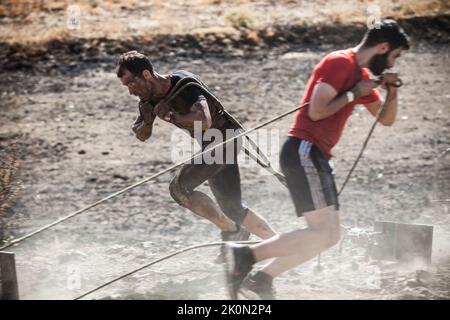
258	287
240	234
239	260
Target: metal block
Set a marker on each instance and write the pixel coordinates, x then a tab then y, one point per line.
8	278
403	242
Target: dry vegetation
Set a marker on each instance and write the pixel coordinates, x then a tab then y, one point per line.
9	164
26	21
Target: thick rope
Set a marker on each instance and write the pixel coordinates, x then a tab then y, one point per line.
207	149
264	162
204	245
246	242
244	133
363	148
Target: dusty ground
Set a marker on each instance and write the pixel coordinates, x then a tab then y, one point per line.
36	21
66	128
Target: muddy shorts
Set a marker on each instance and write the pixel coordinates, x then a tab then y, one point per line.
309	176
224	181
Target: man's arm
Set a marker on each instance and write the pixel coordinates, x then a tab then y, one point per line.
325	100
389	112
387	117
143	125
199	111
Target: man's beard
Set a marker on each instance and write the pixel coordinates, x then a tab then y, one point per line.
378	63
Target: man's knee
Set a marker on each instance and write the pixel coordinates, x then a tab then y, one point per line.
329	236
179	193
320	220
325	222
334	234
333	229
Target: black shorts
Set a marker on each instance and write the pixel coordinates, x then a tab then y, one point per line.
309	176
224	181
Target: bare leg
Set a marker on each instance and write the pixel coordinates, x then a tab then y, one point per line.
203	206
282	264
296	247
257	225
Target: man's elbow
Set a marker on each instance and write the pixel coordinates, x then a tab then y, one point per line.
206	124
387	122
314	115
142	136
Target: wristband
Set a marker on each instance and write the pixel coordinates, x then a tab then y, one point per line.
350	96
356	92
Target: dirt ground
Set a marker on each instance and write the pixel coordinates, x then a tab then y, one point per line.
65	132
35	21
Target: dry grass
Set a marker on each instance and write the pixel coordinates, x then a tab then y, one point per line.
27	21
240	18
228	2
25	8
8	188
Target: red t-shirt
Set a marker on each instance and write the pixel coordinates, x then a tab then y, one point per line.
340	70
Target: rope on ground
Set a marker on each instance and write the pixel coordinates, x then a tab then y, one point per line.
246	242
209	244
207	149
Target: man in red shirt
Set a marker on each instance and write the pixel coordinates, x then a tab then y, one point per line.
339	82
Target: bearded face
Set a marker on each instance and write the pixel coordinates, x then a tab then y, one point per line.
379	63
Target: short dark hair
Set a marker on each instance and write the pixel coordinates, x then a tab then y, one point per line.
386	30
134	62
